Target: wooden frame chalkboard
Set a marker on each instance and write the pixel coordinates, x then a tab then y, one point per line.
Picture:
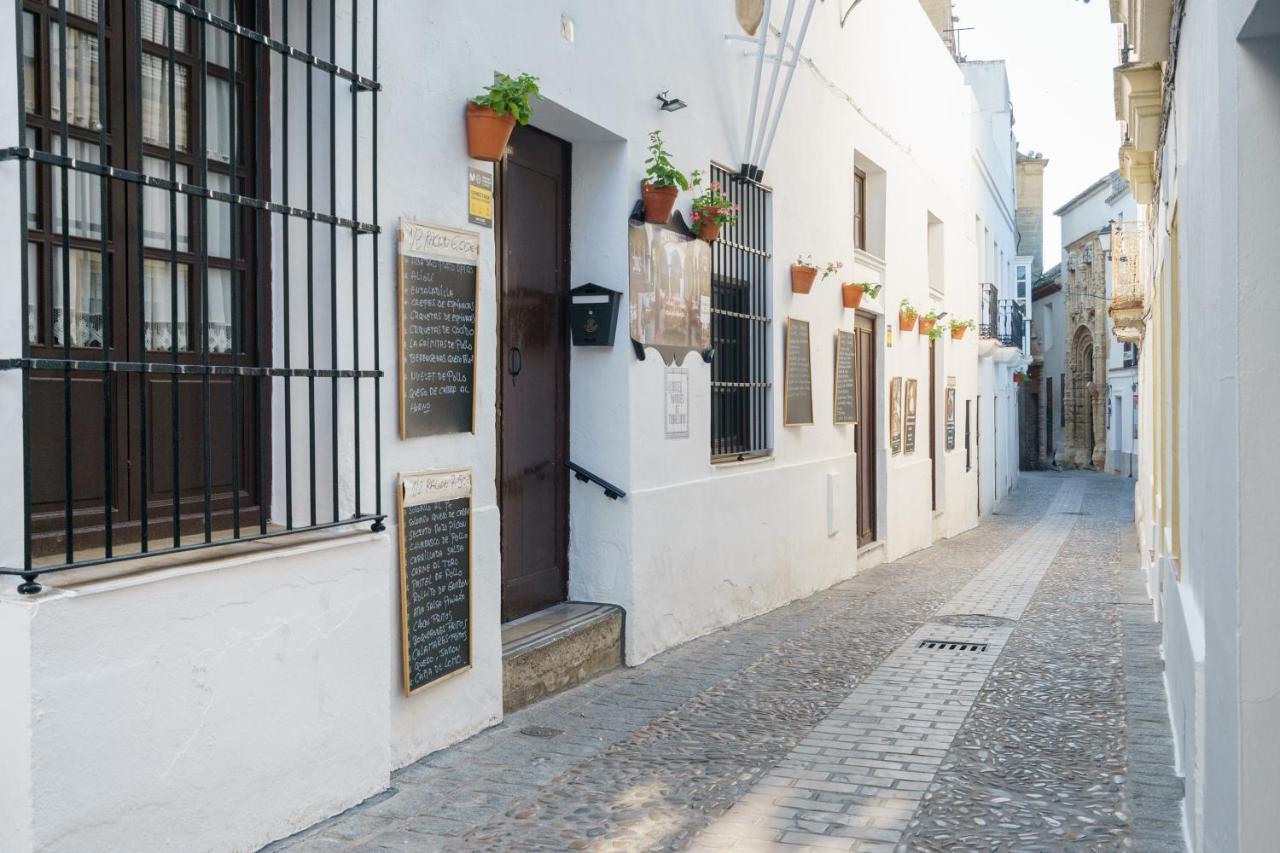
895	415
844	407
437	268
435	498
909	422
797	375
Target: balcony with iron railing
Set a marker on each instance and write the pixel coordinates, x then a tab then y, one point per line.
1003	320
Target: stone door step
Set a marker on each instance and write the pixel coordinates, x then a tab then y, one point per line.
558	648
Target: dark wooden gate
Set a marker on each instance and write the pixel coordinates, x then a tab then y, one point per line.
865	437
533	379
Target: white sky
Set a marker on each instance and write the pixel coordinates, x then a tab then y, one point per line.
1059	55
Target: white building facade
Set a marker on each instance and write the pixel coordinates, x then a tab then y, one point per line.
1198	96
216	694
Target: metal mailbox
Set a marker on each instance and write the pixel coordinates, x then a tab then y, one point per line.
593	315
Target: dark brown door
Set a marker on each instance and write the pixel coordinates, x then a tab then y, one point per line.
533	397
1048	419
865	435
933	425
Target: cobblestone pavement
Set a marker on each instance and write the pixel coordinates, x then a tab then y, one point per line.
826	725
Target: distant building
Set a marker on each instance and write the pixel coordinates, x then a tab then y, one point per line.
1047	376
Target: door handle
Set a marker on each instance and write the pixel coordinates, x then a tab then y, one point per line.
515	363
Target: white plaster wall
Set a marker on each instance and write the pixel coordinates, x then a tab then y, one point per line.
214	709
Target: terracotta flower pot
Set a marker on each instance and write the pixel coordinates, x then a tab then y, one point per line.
1017	379
487	132
926	326
708	230
906	321
658	202
802	278
958	334
852	295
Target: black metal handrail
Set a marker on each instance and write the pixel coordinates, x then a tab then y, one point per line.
611	491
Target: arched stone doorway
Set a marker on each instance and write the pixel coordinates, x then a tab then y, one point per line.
1084	409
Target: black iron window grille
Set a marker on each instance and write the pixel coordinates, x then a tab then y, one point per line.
167	366
1002	319
740	385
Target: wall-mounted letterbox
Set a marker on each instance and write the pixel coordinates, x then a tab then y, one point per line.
593	315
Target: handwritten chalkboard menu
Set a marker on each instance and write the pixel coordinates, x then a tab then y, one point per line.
911	416
437	329
435	576
846	400
797	379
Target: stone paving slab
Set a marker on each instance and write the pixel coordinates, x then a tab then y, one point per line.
819	725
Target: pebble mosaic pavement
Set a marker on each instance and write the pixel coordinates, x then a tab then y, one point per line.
824	725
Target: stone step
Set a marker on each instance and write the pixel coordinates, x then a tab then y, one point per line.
557	648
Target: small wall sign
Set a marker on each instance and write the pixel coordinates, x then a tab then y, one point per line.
479	197
676	409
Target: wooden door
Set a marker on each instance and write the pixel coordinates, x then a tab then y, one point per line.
1048	419
865	434
933	425
533	386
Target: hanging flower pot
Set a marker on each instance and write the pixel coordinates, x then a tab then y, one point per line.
852	294
1019	378
906	320
957	333
927	323
708	230
802	277
658	202
488	132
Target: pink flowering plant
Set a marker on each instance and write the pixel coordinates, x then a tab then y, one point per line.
711	205
831	268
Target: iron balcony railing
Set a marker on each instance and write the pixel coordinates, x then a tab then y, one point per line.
1002	319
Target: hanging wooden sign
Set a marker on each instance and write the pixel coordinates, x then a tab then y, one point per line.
437	329
435	576
797	378
845	407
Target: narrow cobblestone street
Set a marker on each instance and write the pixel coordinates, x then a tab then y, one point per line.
999	691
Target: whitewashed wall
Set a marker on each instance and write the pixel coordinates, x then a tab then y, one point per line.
308	639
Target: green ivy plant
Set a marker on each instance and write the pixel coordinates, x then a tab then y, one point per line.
936	332
510	95
905	307
931	317
957	325
872	290
659	169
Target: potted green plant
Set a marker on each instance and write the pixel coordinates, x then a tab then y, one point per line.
663	184
906	316
492	116
804	270
711	209
853	291
1019	377
959	327
928	321
936	331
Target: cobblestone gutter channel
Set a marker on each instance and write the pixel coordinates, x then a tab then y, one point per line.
765	734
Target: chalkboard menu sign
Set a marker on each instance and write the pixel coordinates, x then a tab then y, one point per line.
797	379
437	329
951	413
910	427
435	576
846	400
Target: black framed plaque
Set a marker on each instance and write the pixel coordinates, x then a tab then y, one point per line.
435	576
845	407
437	329
797	378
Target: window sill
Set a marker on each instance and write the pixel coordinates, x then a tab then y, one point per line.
146	570
730	462
867	259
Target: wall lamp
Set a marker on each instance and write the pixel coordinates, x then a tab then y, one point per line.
670	104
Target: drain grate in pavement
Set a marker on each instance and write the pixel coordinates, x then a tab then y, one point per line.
973	620
540	731
952	646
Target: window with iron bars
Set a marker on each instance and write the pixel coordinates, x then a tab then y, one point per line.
740	385
162	339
